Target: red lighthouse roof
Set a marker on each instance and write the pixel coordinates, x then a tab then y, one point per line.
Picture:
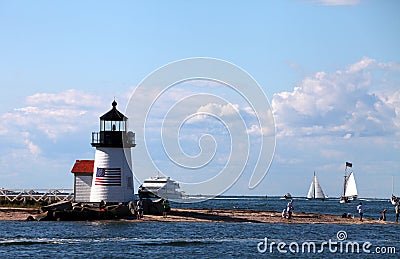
83	166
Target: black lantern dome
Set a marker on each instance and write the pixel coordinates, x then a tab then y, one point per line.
113	126
113	114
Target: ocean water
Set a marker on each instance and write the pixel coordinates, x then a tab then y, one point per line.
207	240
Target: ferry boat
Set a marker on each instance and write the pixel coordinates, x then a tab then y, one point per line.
160	187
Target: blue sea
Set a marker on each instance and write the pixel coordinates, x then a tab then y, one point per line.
130	239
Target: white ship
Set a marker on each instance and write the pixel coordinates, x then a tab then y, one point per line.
160	187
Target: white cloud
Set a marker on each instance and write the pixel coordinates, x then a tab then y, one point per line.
34	149
68	97
337	2
363	64
345	103
220	110
229	114
254	129
249	111
53	114
347	136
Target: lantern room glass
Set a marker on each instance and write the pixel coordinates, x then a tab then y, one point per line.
112	125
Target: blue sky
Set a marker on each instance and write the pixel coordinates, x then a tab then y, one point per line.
331	70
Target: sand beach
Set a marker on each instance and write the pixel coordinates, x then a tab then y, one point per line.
218	215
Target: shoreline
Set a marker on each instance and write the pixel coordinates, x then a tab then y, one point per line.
217	215
17	214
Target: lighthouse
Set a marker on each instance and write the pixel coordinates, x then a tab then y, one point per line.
112	174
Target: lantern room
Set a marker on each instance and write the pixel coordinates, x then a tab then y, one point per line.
113	126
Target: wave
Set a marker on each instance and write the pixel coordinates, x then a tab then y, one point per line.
47	241
187	242
176	243
134	240
25	242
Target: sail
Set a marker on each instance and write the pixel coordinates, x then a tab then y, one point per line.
315	191
351	188
310	194
319	194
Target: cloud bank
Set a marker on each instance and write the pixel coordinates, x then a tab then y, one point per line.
330	117
346	103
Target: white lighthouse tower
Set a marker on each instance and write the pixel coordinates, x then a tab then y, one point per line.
112	175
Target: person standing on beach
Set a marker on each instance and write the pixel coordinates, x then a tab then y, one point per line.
289	209
360	209
131	207
166	207
396	209
139	209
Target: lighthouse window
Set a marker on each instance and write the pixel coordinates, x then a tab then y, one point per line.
112	125
108	125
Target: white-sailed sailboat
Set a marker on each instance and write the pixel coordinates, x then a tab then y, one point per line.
349	188
315	191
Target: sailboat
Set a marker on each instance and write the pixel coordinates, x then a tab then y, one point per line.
315	191
349	186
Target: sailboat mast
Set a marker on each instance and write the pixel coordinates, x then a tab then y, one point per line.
392	184
344	182
315	194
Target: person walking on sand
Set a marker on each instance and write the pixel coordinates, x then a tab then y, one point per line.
289	210
396	209
360	209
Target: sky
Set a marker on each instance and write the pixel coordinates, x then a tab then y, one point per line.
329	68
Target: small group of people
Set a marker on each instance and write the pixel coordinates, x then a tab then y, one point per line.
288	211
136	208
360	210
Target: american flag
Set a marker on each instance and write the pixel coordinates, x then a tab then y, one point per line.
108	177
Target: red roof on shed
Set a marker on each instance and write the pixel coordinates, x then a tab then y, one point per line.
83	166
